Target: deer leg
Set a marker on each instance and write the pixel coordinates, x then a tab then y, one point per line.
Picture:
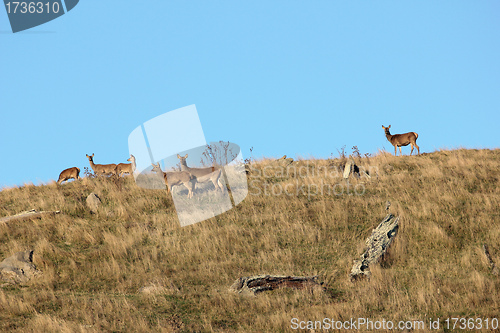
411	144
395	150
190	187
219	184
400	152
418	148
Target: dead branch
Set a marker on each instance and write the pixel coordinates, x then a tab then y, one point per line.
27	215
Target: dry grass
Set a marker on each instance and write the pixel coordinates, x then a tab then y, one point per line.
94	265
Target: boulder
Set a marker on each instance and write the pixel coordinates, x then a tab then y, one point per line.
18	268
93	202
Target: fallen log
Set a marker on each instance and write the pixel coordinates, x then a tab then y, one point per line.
260	283
376	246
29	214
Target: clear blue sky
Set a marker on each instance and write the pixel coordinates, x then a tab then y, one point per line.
301	78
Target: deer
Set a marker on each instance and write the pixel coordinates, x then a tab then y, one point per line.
101	169
176	179
123	168
69	173
398	140
202	175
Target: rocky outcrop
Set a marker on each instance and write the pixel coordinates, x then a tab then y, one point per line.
18	268
376	246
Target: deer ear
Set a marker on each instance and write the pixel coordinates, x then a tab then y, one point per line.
92	154
389	126
178	156
383	126
186	156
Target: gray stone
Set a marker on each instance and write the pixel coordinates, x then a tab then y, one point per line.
93	202
18	268
347	169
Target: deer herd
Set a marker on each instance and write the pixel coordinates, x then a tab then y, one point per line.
188	177
99	169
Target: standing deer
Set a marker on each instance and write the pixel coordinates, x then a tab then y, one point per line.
70	173
203	174
398	140
123	168
101	169
176	179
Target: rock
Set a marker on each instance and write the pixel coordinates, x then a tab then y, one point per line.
18	268
352	168
93	202
376	246
347	169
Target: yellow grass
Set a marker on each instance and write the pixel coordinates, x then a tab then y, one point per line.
94	264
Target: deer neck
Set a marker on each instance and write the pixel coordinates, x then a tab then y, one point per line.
388	135
92	165
184	166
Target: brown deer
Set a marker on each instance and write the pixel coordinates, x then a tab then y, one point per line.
398	140
124	168
70	173
202	174
101	169
176	179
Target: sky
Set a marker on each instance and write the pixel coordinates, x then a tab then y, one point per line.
301	78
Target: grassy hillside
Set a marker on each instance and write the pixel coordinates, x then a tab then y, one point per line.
94	264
